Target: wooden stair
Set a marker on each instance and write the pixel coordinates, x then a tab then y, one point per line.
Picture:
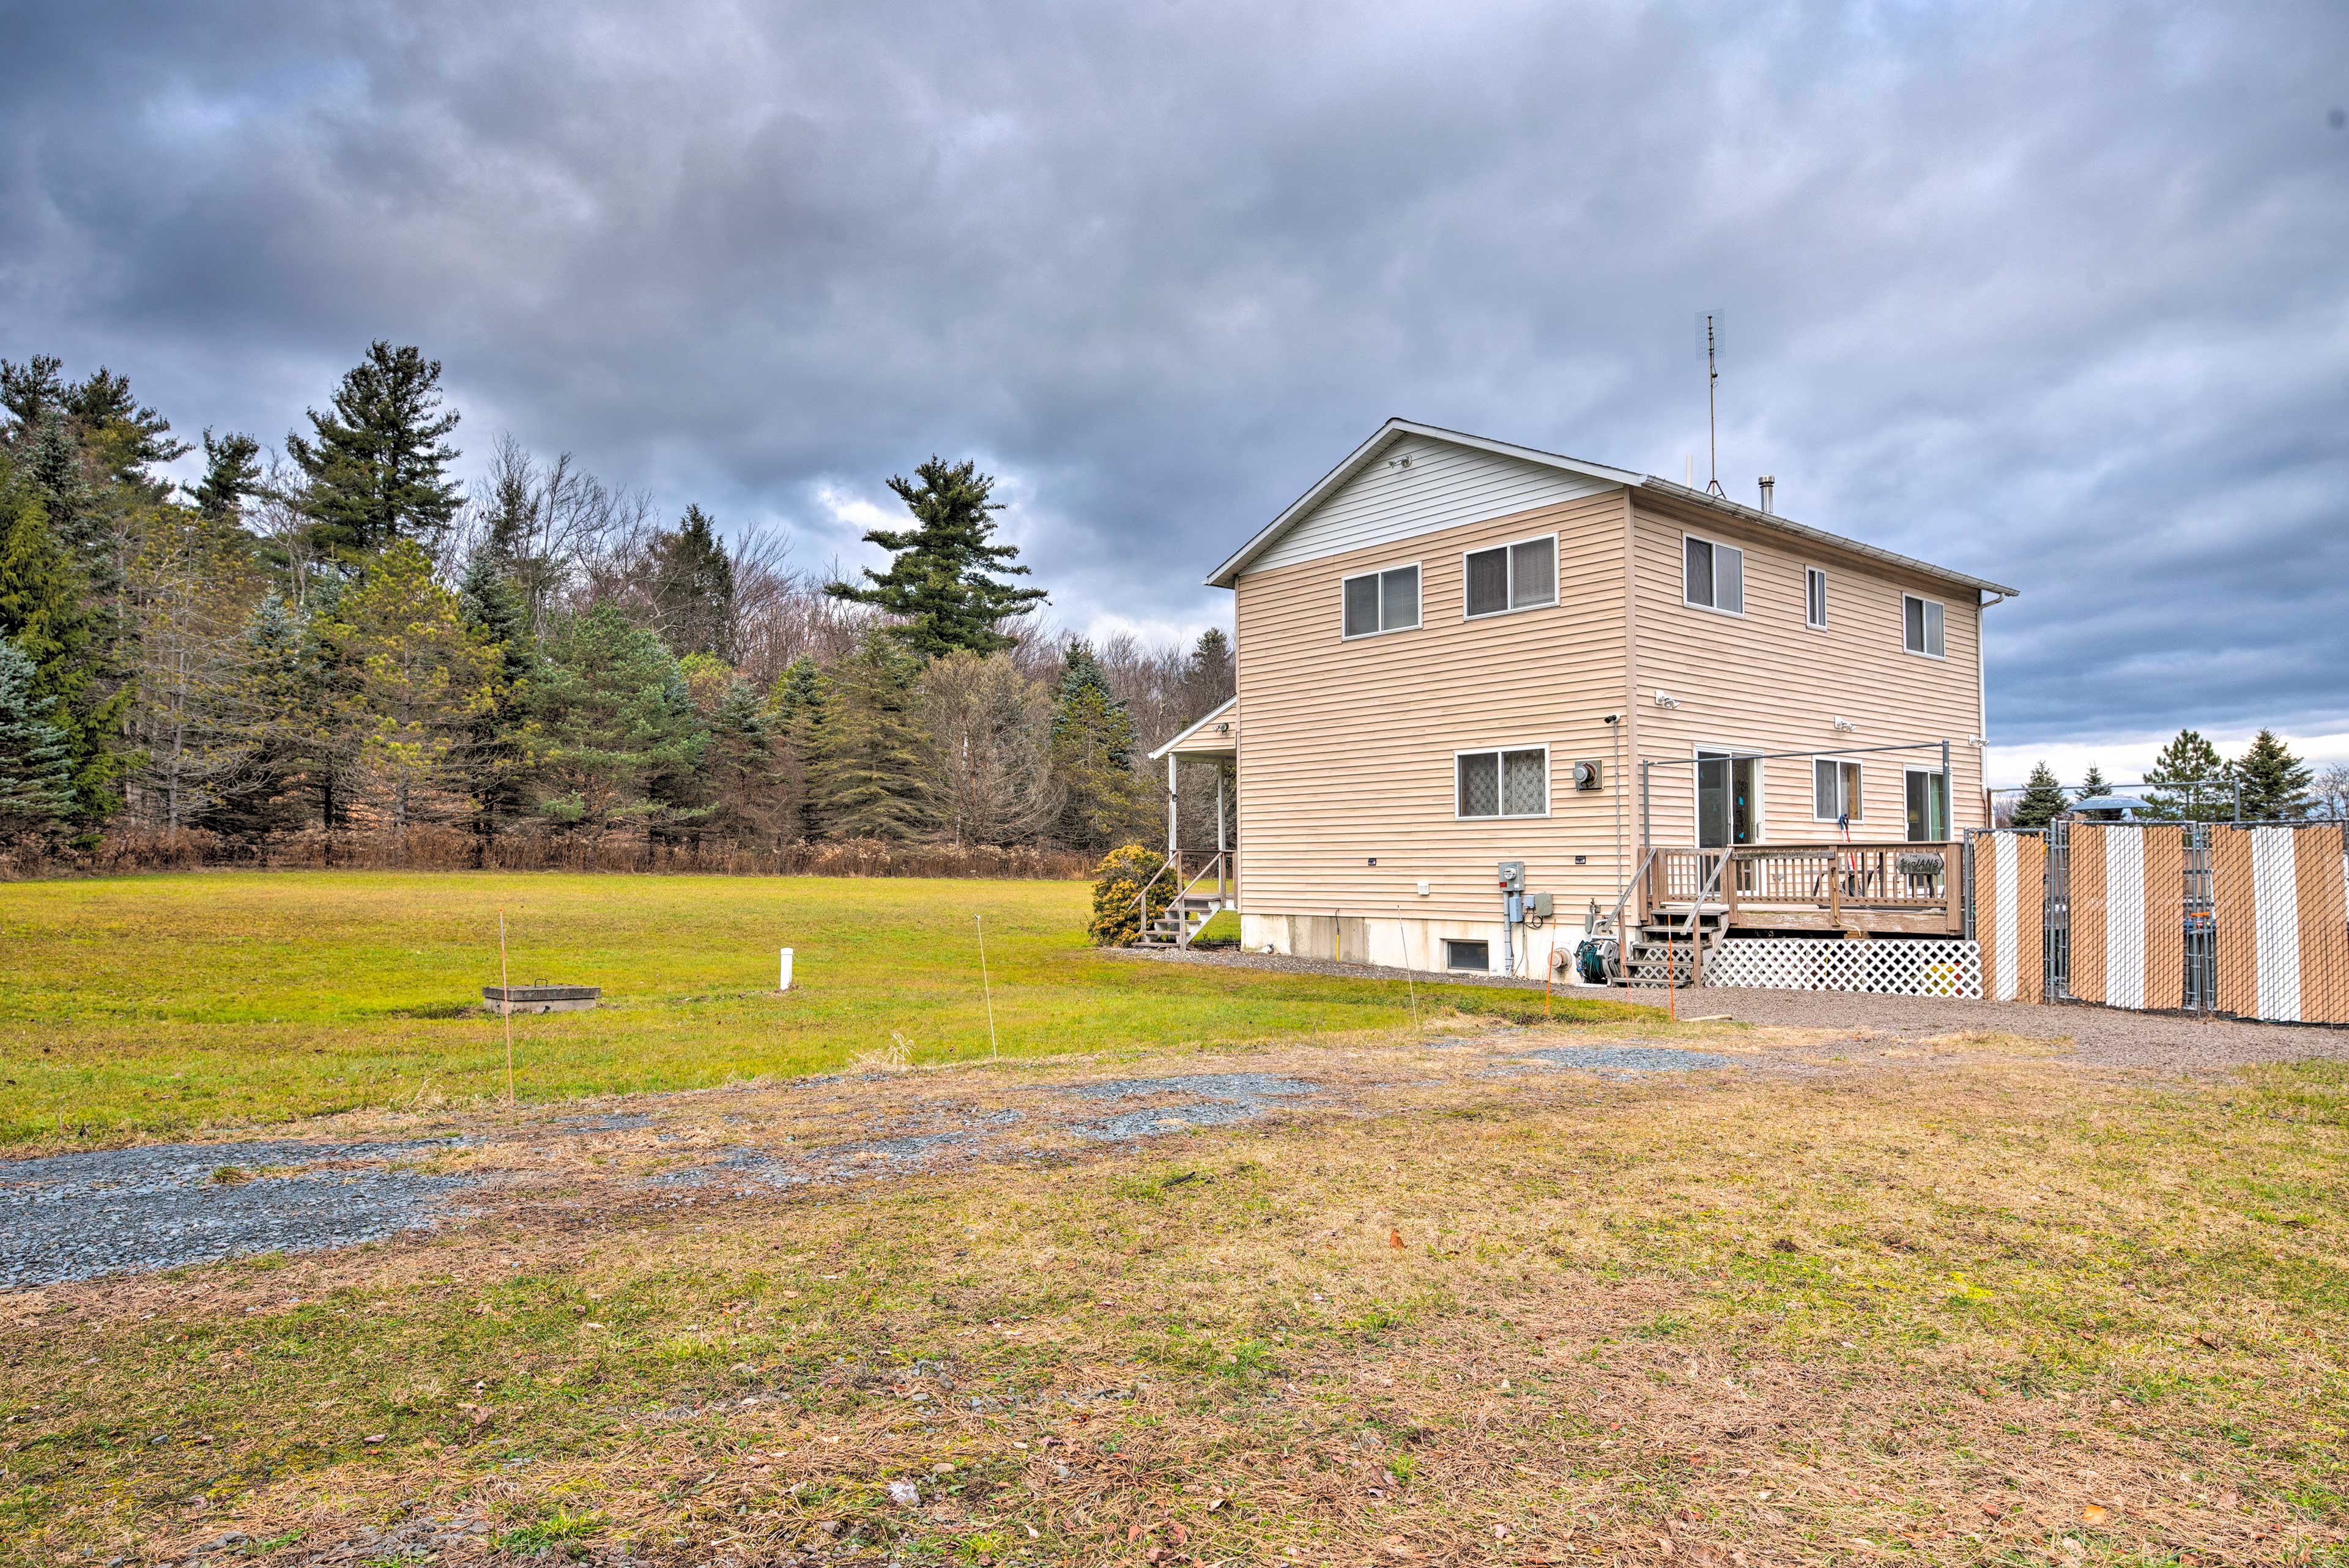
1660	954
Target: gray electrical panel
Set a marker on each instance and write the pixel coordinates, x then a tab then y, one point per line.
1513	875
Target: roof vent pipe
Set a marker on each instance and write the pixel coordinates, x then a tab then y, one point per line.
1769	500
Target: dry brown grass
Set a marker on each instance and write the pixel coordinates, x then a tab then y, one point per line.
1962	1305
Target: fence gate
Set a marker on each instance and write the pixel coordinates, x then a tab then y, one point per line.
2241	920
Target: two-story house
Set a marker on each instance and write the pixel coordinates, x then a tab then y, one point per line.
1454	652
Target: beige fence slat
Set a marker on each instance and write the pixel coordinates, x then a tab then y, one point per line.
2165	918
2234	908
2324	924
2087	983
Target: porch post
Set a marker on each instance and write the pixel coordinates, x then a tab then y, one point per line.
1948	799
1171	805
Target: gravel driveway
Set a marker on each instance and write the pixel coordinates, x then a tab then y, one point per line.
2100	1037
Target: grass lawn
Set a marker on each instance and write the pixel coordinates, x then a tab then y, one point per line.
157	1006
1980	1309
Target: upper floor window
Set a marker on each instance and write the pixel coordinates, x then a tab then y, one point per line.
1523	575
1382	601
1815	597
1920	626
1713	576
1502	782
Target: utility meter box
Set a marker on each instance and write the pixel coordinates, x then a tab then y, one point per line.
1513	875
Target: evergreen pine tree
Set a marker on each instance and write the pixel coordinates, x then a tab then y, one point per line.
796	707
744	786
693	588
942	578
2043	799
29	391
1092	757
615	723
124	438
2092	785
377	462
420	678
867	771
232	473
45	609
496	754
2189	781
35	760
271	728
2275	782
1208	674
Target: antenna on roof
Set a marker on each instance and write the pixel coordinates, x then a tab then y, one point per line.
1711	323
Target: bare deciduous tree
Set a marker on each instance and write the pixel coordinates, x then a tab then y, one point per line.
989	739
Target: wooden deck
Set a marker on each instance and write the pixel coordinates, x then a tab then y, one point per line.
1909	889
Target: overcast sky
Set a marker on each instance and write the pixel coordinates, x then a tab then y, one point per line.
2055	294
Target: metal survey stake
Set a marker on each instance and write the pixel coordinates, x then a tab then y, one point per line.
993	1054
505	1006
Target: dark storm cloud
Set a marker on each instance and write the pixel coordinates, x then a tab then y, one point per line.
2055	295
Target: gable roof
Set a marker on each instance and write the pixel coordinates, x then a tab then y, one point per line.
1217	712
1226	575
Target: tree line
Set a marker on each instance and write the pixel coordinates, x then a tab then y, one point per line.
2190	781
333	635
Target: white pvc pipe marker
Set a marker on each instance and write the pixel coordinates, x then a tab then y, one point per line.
784	981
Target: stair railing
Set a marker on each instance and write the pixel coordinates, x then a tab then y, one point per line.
1142	902
1214	866
1696	947
1615	915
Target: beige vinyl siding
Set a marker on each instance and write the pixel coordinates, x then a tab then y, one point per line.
1765	681
1350	744
1444	486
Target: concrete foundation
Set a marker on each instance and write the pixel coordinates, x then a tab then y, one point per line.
1400	941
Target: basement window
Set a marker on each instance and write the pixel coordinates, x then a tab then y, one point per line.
1502	782
1382	601
1523	575
1920	626
1477	956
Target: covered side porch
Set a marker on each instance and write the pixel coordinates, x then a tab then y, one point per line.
1206	881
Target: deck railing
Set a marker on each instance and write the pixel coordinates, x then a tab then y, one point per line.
1902	878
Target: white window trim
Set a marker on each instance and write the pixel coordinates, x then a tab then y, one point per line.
1919	652
1859	792
1556	565
1345	636
1697	749
1821	624
1548	785
1688	603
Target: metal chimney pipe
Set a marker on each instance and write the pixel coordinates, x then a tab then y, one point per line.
1769	499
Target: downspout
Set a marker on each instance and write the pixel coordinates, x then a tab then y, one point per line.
1631	682
1981	708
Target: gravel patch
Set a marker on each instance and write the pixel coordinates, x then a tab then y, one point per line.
2100	1037
1246	1088
77	1216
1619	1059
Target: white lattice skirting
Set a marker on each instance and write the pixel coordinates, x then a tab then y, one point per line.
1932	968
